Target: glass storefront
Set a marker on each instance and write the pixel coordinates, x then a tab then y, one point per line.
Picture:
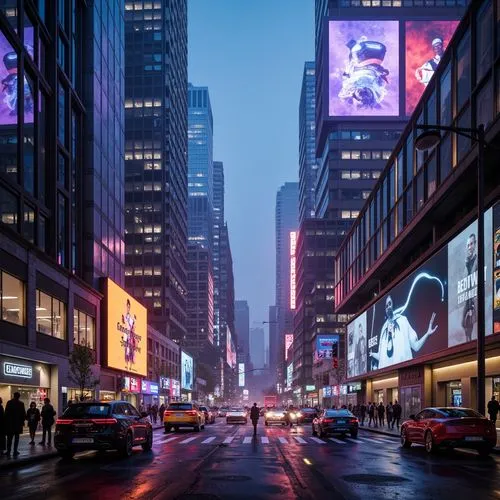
379	396
107	395
454	393
411	400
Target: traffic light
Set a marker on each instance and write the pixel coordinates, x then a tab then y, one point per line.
335	355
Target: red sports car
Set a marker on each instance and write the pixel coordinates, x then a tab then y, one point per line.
450	428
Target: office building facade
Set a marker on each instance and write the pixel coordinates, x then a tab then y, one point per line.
242	325
218	182
156	161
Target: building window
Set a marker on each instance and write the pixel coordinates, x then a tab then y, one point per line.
12	299
9	208
484	43
83	329
50	316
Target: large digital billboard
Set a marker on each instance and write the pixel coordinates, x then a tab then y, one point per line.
230	350
288	343
462	279
293	262
363	68
187	372
324	343
356	346
289	375
496	267
8	77
426	42
241	374
127	322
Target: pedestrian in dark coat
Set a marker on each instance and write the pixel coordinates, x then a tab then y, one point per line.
33	418
493	408
15	415
397	414
381	413
3	444
371	415
362	413
389	411
254	417
48	413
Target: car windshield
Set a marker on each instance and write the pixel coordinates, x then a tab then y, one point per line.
203	408
179	407
87	410
338	413
458	412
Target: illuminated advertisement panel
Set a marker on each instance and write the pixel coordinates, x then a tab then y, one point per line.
289	375
288	343
175	388
462	283
324	345
230	350
293	283
426	42
127	322
187	374
241	374
496	267
356	346
363	68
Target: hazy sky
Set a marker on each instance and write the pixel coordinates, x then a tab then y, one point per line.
251	56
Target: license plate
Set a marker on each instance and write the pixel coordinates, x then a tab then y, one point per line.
340	421
473	438
179	414
83	440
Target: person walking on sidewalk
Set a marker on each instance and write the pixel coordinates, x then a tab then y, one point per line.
381	414
3	445
389	411
48	413
254	417
362	413
371	415
15	415
493	407
33	418
397	414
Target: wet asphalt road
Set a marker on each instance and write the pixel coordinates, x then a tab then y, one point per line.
225	462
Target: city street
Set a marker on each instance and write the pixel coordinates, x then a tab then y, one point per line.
227	462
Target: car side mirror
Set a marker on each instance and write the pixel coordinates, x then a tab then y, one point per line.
144	414
413	417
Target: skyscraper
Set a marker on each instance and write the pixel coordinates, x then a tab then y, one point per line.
307	143
156	164
257	347
242	325
200	167
218	224
287	201
273	339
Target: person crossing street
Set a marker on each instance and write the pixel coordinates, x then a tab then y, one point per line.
254	417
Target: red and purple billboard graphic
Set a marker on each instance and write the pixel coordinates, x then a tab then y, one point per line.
363	68
288	343
293	270
426	42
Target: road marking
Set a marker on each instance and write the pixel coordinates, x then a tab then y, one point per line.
188	440
228	440
300	440
166	440
208	440
335	440
317	440
352	440
247	440
283	440
264	440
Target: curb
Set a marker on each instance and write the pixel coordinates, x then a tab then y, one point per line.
13	463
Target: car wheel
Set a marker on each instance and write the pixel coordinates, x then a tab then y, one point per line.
354	434
176	428
430	447
128	445
314	433
203	427
149	442
167	428
484	451
266	423
66	454
405	442
196	428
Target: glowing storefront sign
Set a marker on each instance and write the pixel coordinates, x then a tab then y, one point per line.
288	343
293	283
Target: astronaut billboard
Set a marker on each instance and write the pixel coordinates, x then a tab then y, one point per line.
426	42
363	68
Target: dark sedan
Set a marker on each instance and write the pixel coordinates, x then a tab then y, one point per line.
114	425
307	415
449	428
335	422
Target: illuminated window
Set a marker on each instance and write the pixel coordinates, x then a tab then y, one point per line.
12	299
83	329
345	214
50	316
346	155
355	155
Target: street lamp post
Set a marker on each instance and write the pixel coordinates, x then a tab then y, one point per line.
428	139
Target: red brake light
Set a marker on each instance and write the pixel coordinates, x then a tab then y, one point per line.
191	412
169	413
353	420
105	421
64	421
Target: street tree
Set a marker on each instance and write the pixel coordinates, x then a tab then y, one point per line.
81	361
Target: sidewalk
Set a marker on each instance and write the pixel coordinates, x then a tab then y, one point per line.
29	453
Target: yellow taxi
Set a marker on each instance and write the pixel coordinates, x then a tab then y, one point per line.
183	415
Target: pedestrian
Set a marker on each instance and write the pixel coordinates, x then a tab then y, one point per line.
397	414
493	407
371	415
154	411
161	411
48	413
389	411
33	418
362	413
350	407
381	414
3	444
15	415
254	417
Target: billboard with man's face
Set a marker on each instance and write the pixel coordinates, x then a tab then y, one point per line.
426	42
363	68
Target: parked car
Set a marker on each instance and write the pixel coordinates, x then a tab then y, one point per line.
113	425
449	427
183	415
307	415
335	422
209	415
236	416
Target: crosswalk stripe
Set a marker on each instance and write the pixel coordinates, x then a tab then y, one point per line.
247	440
264	440
317	440
208	440
335	440
188	440
166	440
352	440
228	440
283	440
300	440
